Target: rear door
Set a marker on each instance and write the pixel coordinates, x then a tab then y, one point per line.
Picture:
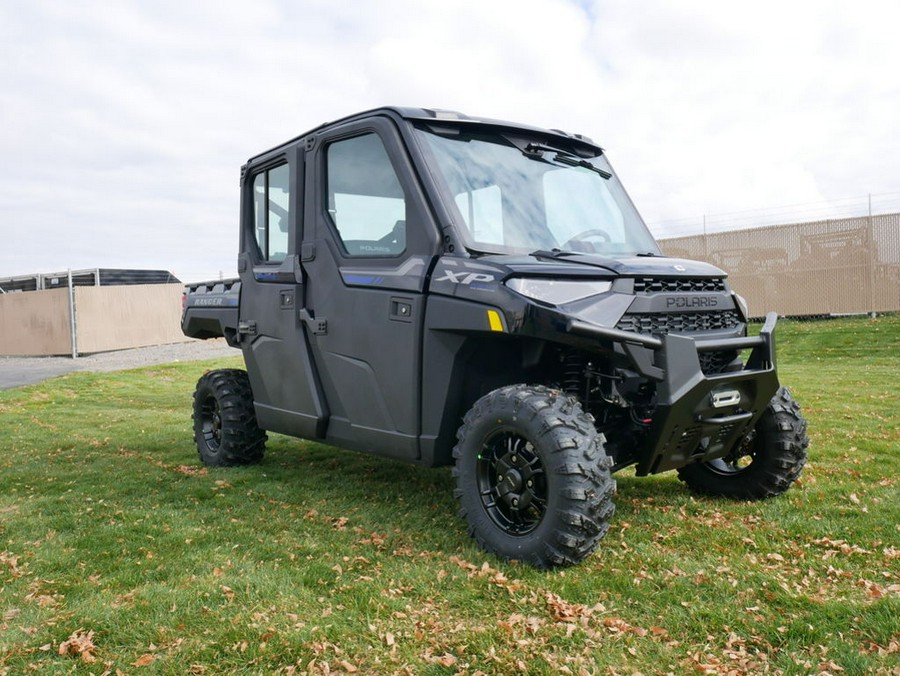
286	390
369	244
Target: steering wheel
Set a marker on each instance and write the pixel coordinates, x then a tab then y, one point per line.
587	234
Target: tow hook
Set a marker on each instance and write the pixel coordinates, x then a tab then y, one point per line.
725	398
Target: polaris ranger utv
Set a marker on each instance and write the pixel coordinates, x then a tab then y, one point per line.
441	289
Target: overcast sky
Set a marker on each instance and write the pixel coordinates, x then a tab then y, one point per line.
123	124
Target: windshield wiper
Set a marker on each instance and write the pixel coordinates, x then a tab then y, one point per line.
536	151
553	253
574	161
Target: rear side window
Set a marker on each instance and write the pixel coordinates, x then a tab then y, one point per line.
366	202
271	199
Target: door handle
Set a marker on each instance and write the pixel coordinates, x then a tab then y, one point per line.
318	326
401	309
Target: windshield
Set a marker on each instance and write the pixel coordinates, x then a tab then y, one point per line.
520	196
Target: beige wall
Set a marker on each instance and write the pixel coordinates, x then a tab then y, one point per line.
825	267
117	317
36	323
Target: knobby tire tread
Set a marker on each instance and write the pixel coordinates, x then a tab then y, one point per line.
573	452
242	441
782	457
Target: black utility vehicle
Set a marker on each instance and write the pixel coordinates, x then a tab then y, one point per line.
441	289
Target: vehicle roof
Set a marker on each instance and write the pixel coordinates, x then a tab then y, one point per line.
435	115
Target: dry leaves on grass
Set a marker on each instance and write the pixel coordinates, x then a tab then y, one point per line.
445	660
571	613
892	648
835	547
329	659
536	632
45	600
81	645
339	523
144	660
11	561
485	572
737	657
191	470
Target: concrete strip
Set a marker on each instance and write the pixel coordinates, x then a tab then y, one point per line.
19	371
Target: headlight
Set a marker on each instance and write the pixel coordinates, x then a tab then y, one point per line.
557	291
743	306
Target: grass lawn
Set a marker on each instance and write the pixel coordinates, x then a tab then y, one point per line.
119	552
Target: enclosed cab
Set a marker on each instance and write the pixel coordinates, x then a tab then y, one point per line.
441	289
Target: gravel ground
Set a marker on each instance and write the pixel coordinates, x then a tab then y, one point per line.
18	371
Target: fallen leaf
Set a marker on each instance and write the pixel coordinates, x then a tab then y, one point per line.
144	660
827	667
191	470
79	644
447	660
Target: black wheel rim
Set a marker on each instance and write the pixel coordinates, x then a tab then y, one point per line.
740	460
211	423
512	483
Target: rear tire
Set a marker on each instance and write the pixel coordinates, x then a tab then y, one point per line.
533	478
225	427
764	464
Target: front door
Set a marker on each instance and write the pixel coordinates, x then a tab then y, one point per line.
368	245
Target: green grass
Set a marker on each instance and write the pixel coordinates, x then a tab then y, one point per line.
320	560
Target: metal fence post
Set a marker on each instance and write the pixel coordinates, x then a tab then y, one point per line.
872	258
705	241
72	323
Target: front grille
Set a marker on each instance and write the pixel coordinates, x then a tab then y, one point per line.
649	285
687	322
712	363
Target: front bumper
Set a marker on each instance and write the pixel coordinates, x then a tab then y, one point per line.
697	417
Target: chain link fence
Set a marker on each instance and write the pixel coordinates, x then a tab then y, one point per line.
823	267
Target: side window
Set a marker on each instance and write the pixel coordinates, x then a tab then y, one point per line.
366	202
271	192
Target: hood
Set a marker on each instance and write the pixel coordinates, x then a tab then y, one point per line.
578	264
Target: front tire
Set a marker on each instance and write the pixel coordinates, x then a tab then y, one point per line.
533	478
764	464
225	427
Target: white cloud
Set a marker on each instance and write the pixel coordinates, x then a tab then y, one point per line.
753	105
124	124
